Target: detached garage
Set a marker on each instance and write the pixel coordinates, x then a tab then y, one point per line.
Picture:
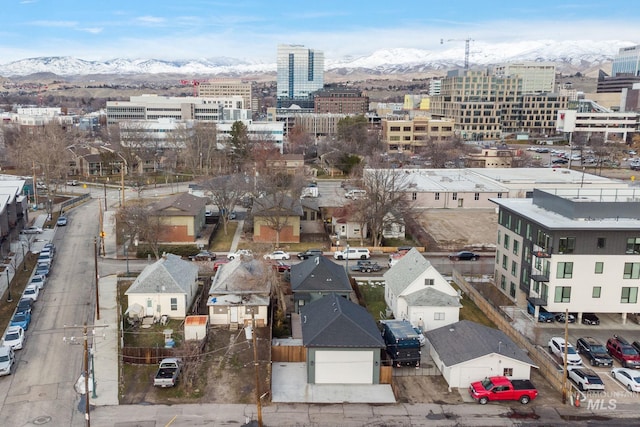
342	341
466	351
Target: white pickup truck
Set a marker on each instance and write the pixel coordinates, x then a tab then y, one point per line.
168	372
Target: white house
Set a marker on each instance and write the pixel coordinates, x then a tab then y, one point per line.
166	287
240	291
466	351
417	292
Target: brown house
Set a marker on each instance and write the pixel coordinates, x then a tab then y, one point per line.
274	212
182	217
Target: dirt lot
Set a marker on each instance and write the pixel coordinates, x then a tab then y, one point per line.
456	229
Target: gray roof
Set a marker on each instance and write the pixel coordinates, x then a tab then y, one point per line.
281	205
334	321
465	340
169	275
180	204
406	271
431	297
319	274
242	275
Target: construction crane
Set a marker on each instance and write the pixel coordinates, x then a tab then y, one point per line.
195	84
466	49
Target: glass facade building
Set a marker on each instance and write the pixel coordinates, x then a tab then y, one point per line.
627	62
300	73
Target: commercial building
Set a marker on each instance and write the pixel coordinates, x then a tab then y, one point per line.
411	136
590	119
571	249
537	77
300	74
340	101
627	62
224	88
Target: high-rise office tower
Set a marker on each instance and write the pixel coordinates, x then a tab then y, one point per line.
300	74
627	62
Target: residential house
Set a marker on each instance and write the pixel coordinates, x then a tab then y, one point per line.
183	217
166	287
276	218
466	351
289	164
347	225
417	292
240	291
316	277
343	343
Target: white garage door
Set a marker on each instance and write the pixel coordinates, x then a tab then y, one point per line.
469	375
344	367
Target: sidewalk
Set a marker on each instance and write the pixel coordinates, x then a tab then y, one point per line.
237	236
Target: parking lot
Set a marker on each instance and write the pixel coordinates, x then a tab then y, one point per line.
610	325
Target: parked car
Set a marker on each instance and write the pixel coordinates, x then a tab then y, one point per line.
240	252
44	258
32	230
14	337
352	253
559	317
281	267
594	351
464	256
543	315
310	253
31	291
43	269
7	359
277	255
62	221
590	319
585	378
203	256
38	280
24	304
623	352
22	319
168	372
557	348
628	378
72	182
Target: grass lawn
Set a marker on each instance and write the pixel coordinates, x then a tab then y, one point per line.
18	283
222	242
373	295
470	311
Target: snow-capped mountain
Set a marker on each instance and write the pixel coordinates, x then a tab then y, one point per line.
570	54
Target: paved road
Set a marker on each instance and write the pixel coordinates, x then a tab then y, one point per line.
41	387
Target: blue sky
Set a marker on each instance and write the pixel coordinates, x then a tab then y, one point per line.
187	29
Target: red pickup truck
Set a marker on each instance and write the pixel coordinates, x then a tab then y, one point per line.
502	388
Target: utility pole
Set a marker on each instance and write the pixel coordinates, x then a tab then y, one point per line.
87	416
95	262
566	345
105	196
255	363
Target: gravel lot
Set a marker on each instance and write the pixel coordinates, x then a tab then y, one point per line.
456	229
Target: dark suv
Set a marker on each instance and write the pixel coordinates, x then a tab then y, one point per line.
310	253
594	351
625	353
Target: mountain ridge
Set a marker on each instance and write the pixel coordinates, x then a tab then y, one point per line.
568	55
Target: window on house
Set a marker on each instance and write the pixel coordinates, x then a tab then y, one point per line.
476	196
174	304
438	316
633	245
563	294
565	270
437	196
499	195
503	282
599	267
601	242
506	241
512	290
429	282
596	292
566	245
454	196
516	247
514	268
629	295
507	372
631	270
504	262
414	196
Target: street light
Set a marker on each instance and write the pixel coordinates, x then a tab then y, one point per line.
9	298
127	238
24	260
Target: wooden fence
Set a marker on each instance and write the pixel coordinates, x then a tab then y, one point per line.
288	354
147	355
547	367
386	374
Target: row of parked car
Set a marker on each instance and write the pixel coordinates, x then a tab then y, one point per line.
545	316
15	335
598	354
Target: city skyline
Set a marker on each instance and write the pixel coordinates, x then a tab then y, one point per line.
253	29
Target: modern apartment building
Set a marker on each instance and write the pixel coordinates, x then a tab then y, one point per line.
537	77
341	101
575	249
300	74
537	113
411	136
153	107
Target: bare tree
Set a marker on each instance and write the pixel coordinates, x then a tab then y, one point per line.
276	205
226	191
386	200
136	219
197	145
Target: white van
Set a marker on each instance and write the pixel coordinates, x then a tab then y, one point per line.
355	194
352	253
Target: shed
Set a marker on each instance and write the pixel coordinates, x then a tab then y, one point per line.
195	327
